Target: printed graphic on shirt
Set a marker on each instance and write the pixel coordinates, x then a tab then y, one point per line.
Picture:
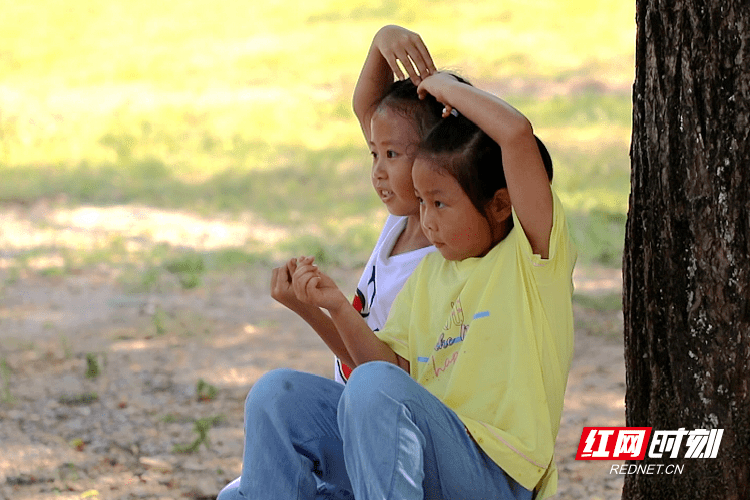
359	301
446	350
363	301
457	315
370	294
344	370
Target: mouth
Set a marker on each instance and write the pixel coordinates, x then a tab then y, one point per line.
385	194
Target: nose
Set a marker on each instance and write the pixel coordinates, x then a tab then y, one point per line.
427	219
378	170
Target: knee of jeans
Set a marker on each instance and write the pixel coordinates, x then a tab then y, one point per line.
369	382
275	389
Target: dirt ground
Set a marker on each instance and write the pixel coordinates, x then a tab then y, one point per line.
103	391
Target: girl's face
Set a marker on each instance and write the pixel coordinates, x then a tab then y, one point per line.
449	219
392	138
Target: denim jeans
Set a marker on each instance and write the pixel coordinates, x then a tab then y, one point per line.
381	436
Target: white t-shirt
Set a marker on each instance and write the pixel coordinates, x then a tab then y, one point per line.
381	280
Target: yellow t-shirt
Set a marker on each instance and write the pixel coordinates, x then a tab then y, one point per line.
492	338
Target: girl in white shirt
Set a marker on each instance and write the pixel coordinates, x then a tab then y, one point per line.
394	120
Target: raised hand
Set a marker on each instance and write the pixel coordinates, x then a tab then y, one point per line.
437	84
398	44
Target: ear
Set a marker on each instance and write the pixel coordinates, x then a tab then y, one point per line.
499	208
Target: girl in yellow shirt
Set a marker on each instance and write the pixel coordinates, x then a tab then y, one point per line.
460	394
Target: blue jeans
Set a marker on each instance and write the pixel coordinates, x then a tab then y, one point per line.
382	436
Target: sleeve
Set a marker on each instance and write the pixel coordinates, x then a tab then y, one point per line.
562	250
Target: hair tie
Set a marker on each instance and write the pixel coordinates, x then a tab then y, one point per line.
454	111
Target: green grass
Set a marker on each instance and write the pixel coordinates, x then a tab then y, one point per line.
606	303
223	108
201	427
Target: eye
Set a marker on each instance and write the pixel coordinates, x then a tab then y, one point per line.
391	153
439	204
373	154
420	200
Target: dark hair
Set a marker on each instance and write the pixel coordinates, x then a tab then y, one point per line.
546	158
457	147
402	98
461	149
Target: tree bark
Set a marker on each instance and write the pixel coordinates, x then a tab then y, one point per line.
686	264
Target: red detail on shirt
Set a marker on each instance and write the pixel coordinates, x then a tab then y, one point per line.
345	371
357	303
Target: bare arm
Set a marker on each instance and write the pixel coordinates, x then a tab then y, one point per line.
360	340
327	331
390	45
528	184
313	287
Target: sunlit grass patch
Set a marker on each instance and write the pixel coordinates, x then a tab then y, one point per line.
599	237
605	303
573	108
596	204
220	109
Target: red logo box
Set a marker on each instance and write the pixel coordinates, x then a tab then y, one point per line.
613	443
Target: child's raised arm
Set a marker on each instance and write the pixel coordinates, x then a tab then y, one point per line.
528	184
362	345
391	45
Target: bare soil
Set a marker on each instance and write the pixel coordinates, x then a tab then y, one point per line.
103	392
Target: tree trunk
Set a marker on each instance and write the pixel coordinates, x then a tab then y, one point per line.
686	265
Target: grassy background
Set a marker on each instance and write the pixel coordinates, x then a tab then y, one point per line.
220	108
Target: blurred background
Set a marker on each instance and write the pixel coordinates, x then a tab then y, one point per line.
158	158
218	133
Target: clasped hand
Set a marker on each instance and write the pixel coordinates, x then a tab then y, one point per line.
313	287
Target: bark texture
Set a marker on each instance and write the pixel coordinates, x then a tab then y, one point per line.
686	266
